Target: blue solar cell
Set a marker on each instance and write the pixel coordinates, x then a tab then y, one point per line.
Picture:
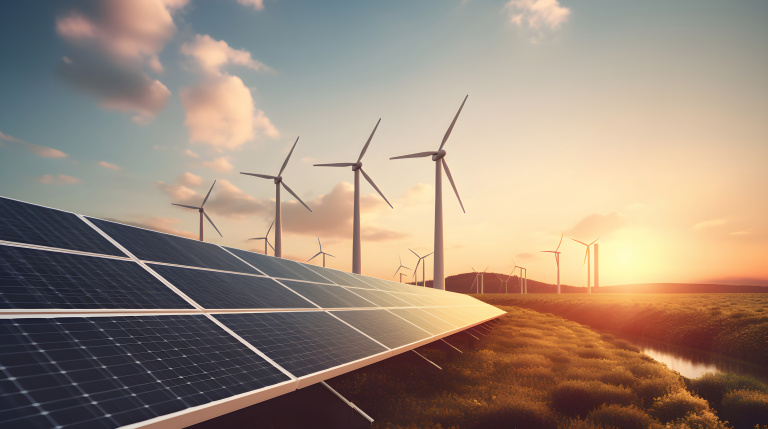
278	267
115	371
32	278
383	326
380	298
155	246
424	320
27	223
302	343
327	296
339	277
213	289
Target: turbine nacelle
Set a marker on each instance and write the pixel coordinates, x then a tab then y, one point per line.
356	166
439	155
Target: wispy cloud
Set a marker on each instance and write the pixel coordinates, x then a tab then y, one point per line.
226	199
748	232
110	166
256	4
191	154
45	152
709	223
597	225
221	164
190	179
212	55
537	13
61	179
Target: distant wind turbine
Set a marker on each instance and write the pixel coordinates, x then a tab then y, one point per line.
278	214
476	281
423	269
588	261
438	281
398	269
202	212
266	239
504	282
357	167
480	278
321	253
557	260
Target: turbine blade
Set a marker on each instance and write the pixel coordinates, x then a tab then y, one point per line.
579	242
318	254
375	187
270	245
338	164
213	224
270	228
448	133
406	267
398	270
294	195
417	255
561	242
365	148
258	238
287	158
594	241
427	255
263	176
207	195
450	179
415	155
417	267
498	277
189	207
330	255
585	256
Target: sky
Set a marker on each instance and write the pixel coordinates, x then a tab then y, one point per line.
643	124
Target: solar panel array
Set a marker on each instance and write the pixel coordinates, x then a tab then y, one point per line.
105	325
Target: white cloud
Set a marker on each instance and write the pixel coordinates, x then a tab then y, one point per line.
709	223
61	179
43	151
257	4
211	55
221	164
226	199
191	154
597	225
190	179
110	166
537	13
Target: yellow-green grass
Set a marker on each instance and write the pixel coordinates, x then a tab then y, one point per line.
532	371
735	325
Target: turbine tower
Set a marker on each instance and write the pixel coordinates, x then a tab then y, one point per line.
320	253
588	261
266	239
476	281
597	273
357	167
557	260
278	214
438	281
423	269
202	212
398	269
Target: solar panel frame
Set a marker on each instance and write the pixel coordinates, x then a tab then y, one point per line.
328	296
385	327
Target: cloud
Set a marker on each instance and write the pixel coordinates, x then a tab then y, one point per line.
161	224
111	42
226	199
709	223
420	193
45	152
191	154
596	225
110	166
741	232
61	179
537	13
190	179
180	194
525	256
221	164
220	113
211	55
332	216
257	4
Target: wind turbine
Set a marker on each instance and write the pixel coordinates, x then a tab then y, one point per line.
357	167
557	260
423	269
398	269
476	281
504	282
438	281
202	212
278	215
522	282
266	239
321	253
588	261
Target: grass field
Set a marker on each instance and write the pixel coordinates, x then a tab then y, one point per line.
735	325
541	371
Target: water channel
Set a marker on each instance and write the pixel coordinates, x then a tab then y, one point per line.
693	363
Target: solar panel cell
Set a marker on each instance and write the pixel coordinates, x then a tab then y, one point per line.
383	326
424	320
339	277
302	343
32	278
155	246
213	289
27	223
327	296
278	267
380	298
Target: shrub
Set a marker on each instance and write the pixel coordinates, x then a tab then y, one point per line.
702	420
622	417
650	389
577	397
625	345
590	353
745	408
713	386
677	405
520	414
618	377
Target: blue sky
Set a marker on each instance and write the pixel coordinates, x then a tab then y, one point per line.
639	122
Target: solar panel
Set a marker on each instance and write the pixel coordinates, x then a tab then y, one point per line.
339	277
302	342
450	318
156	246
380	298
328	296
31	278
383	326
114	371
277	267
30	224
424	320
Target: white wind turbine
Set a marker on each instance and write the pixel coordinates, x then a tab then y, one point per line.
476	281
480	278
438	281
357	167
557	260
321	253
504	282
266	239
423	269
398	269
202	212
588	261
278	214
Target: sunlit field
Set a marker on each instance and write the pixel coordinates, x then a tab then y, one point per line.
735	325
541	371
